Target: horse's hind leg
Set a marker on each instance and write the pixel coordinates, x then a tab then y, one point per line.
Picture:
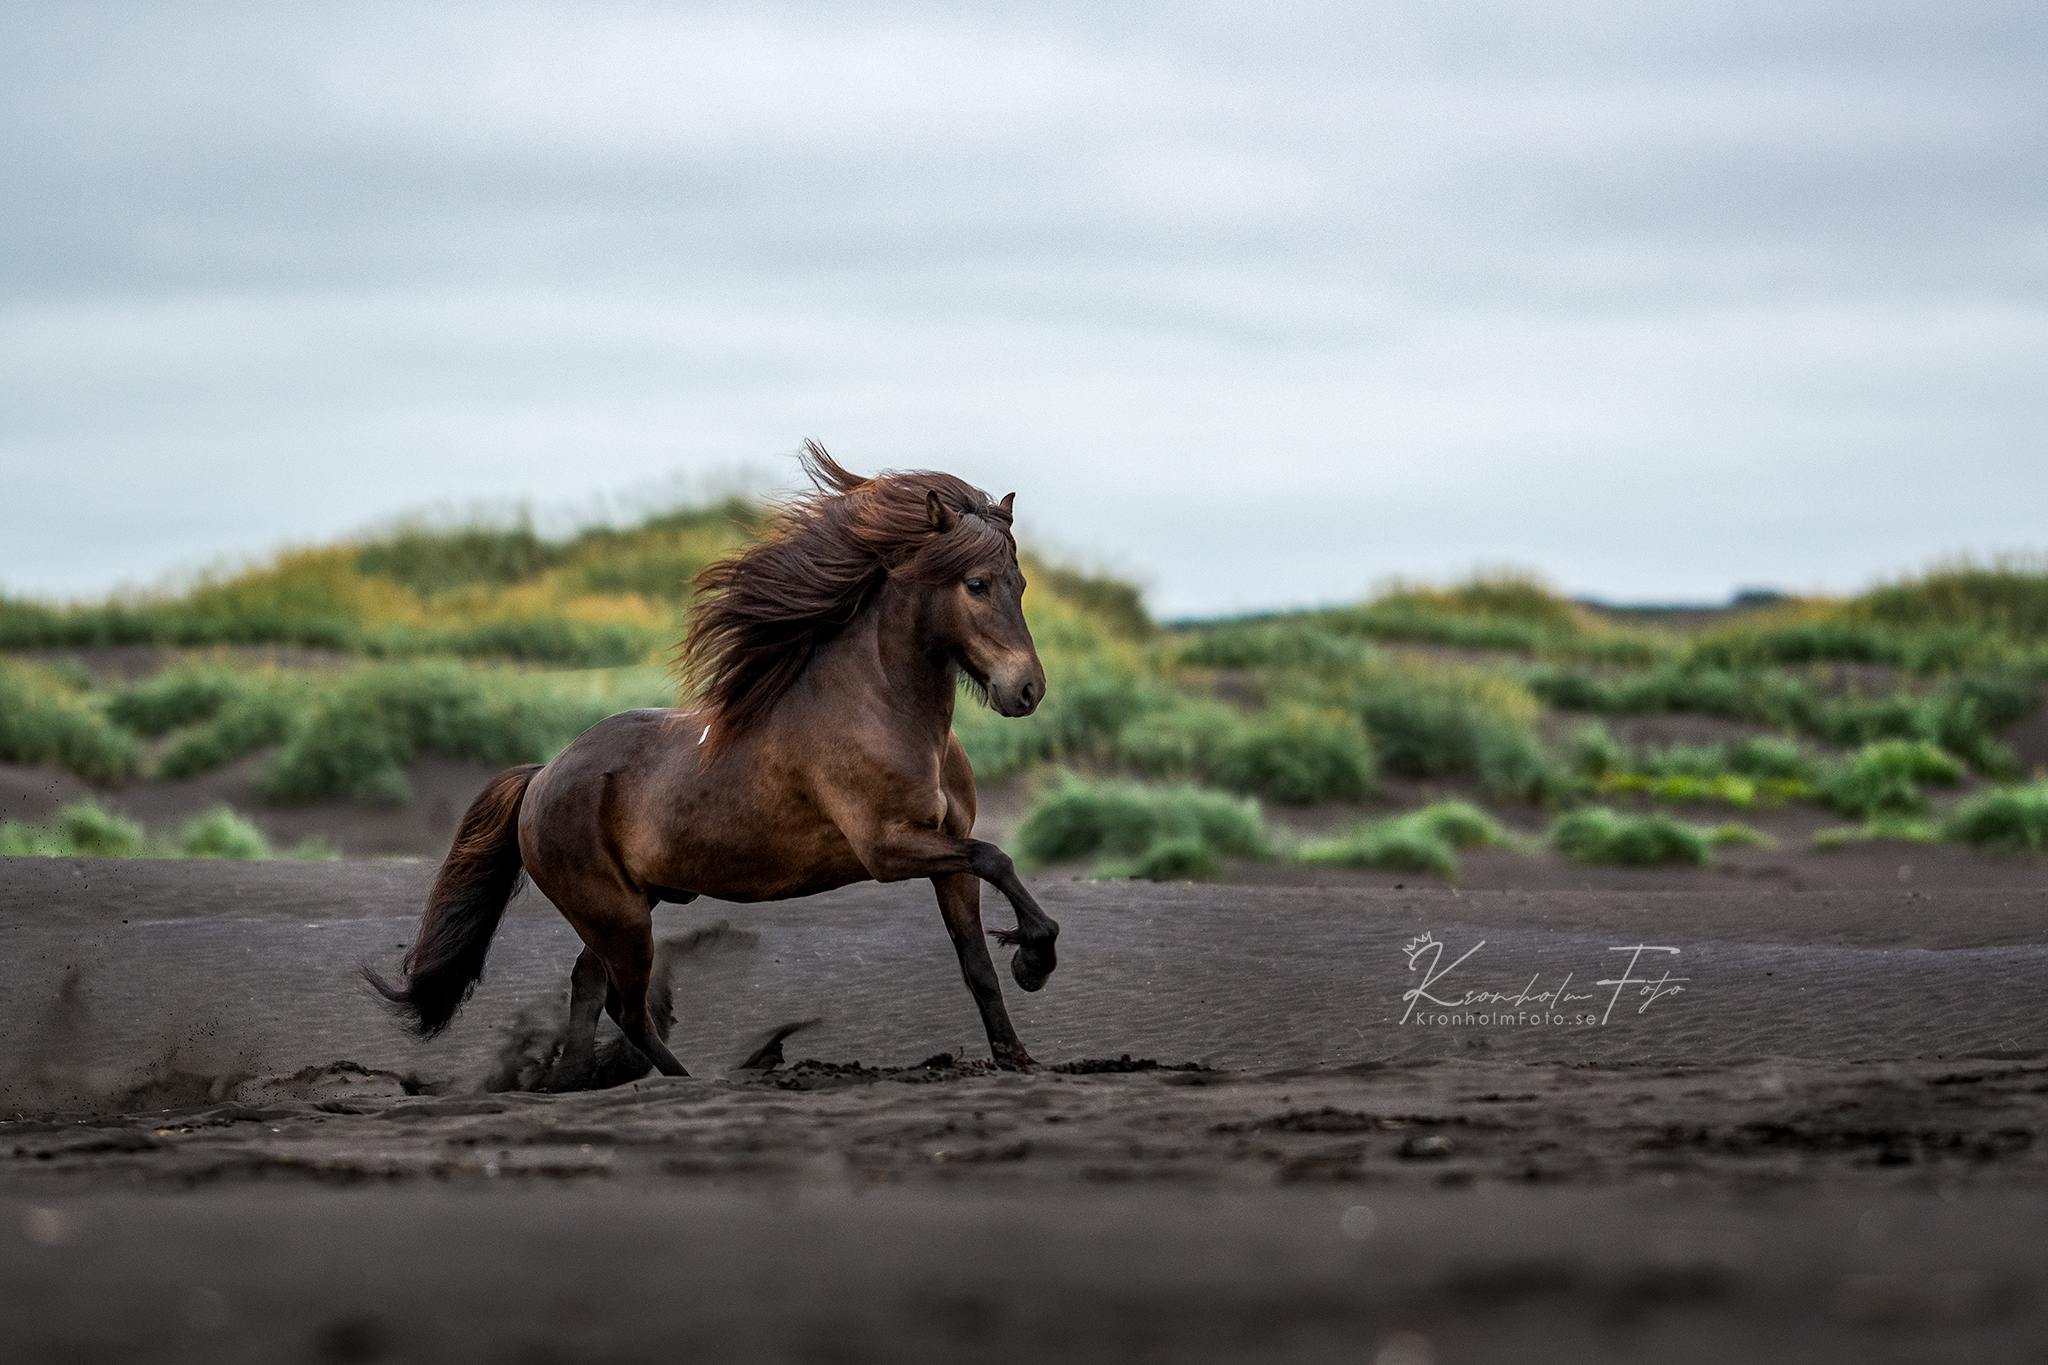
616	924
627	1003
618	1061
576	1063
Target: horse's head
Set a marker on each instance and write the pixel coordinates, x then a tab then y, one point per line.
977	602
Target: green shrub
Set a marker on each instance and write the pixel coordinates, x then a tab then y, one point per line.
357	738
1779	759
250	722
2009	597
80	830
1594	753
18	840
1596	834
1963	715
1292	753
45	720
1902	827
1286	643
1177	737
1734	835
1734	790
544	640
86	831
220	833
177	697
1117	604
1297	755
1424	840
94	833
1083	715
1139	830
432	561
1803	642
2011	818
1404	622
1186	857
1884	778
1420	729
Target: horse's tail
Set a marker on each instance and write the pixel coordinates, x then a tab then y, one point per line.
481	874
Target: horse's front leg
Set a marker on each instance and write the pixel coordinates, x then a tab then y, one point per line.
960	903
893	854
1036	932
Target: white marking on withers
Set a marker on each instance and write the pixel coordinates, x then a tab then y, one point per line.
706	735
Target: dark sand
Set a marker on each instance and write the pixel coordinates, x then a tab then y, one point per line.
1827	1146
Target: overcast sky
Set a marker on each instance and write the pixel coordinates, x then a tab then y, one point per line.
1261	303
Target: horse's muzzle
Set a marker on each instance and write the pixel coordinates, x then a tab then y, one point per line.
1018	694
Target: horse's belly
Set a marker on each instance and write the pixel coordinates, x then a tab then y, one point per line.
764	864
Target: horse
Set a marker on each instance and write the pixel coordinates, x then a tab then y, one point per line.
824	660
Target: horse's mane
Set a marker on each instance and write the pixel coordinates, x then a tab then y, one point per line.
763	611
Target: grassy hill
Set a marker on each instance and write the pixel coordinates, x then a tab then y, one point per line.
498	645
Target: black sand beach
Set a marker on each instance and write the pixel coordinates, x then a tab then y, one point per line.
1824	1145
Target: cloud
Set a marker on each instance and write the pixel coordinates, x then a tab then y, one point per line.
1261	304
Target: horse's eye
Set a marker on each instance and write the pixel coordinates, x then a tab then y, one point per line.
977	585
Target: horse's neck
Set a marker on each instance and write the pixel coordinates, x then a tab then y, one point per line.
886	652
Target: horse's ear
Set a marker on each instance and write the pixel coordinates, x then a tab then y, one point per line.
1009	501
943	518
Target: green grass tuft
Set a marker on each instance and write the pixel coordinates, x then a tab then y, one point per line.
1296	755
1908	828
1593	753
180	696
1884	778
1423	840
220	833
1140	831
358	737
1596	834
85	830
45	718
2014	819
81	830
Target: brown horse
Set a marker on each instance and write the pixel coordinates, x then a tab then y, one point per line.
826	658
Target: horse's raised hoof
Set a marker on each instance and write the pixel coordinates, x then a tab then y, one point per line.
1031	968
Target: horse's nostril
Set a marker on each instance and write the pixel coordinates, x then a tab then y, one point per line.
1030	694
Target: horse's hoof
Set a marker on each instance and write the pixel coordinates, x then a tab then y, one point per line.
1020	1060
1025	966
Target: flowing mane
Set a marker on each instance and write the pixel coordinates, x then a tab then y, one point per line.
763	611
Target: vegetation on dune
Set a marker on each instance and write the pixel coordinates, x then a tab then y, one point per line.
1595	834
48	718
1962	715
604	597
346	732
2013	819
1505	611
1906	828
463	638
1156	833
1425	840
1885	778
357	737
84	830
1742	774
1289	753
2007	597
